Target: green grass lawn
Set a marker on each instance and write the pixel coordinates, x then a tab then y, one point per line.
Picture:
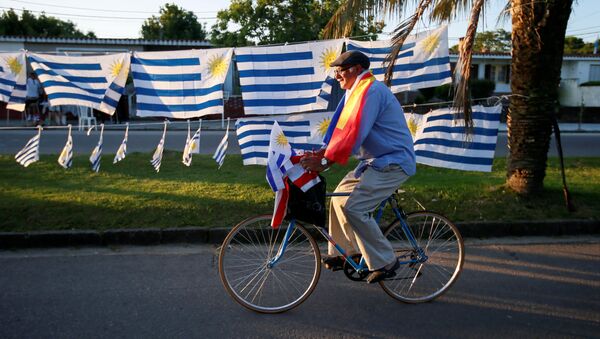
131	194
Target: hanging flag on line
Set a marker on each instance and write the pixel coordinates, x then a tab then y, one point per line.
122	151
65	159
158	153
221	150
192	145
31	152
92	81
180	84
13	78
441	140
287	79
97	152
423	61
303	132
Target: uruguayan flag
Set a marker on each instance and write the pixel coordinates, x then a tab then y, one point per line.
303	132
13	77
192	145
287	79
158	153
422	62
122	151
221	150
97	152
278	158
441	141
180	84
92	81
65	159
31	152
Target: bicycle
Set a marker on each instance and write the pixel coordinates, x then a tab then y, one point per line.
274	270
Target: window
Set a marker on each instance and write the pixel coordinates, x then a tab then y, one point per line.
594	73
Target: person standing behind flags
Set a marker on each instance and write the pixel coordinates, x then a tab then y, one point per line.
369	123
32	98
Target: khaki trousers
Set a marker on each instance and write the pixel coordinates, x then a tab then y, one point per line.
350	223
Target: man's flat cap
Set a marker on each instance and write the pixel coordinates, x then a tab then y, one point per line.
351	58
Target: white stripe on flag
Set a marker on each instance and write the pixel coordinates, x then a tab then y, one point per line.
65	159
287	79
97	152
441	141
158	153
221	150
122	151
423	61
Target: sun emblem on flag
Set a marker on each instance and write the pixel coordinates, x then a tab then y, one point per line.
327	57
115	68
413	126
192	145
14	65
281	139
217	66
323	126
431	43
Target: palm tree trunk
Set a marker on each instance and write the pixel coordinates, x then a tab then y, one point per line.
538	33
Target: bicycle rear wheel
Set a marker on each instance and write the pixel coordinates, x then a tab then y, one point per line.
442	245
252	279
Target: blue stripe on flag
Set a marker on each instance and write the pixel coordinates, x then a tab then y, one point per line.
382	50
20	87
82	79
421	78
166	62
289	134
59	95
177	92
402	55
414	66
17	100
282	87
476	116
71	66
278	102
179	108
457	144
274	57
110	101
5	92
488	132
250	155
53	83
116	88
276	72
271	122
455	158
7	82
166	77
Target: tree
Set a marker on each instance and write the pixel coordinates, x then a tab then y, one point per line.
538	35
490	41
38	26
276	21
575	45
174	22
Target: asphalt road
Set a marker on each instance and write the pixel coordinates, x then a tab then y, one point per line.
52	142
508	289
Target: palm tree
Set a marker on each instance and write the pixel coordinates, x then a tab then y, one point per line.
538	32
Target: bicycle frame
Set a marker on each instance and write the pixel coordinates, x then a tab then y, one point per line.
361	266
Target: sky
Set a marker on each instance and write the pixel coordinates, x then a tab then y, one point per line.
124	18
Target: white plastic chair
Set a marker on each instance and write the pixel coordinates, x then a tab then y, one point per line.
86	116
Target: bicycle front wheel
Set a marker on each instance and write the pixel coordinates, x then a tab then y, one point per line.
426	278
255	279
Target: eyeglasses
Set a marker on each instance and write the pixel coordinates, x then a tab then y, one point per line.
340	70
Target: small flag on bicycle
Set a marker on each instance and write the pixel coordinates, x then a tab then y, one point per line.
278	158
122	151
221	150
97	152
31	152
158	153
192	145
65	159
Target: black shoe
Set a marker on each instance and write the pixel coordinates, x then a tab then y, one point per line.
382	273
334	263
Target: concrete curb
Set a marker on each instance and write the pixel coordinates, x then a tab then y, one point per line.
197	235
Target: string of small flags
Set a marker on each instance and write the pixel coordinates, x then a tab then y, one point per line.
30	153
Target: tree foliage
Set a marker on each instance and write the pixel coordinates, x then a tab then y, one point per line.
575	45
38	26
490	41
279	21
173	22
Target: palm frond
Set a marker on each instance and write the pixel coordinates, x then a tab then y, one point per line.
462	73
401	32
343	20
445	10
505	14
